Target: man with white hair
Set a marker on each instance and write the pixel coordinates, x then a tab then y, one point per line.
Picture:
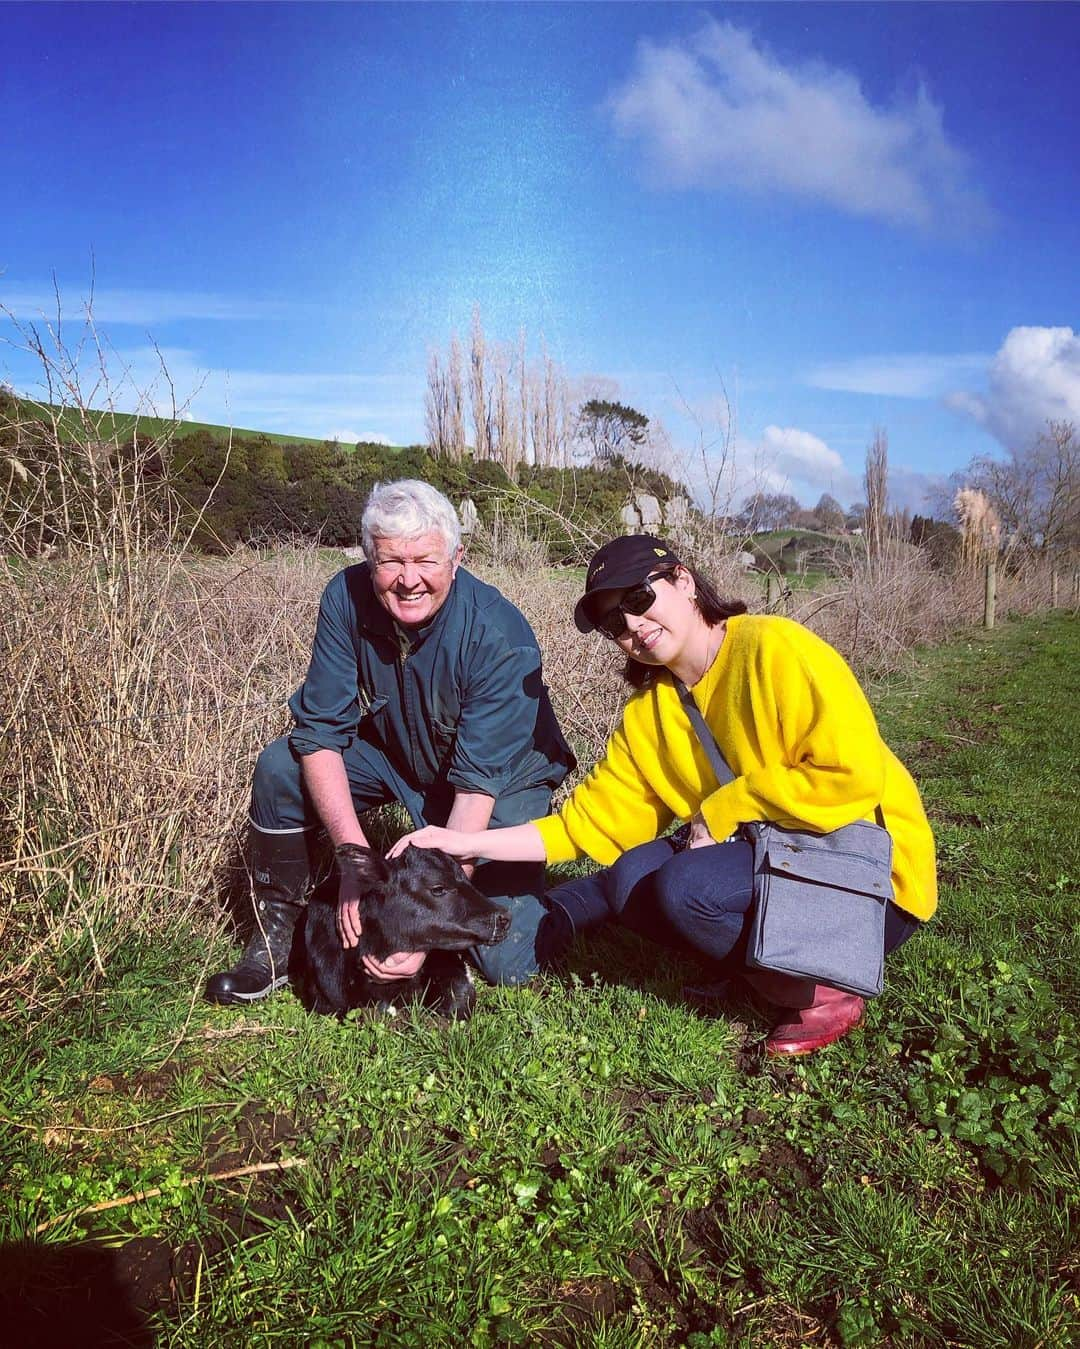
424	688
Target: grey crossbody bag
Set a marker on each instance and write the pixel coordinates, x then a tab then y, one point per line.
819	899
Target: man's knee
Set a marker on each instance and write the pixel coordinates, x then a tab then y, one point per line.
277	796
511	963
275	765
539	935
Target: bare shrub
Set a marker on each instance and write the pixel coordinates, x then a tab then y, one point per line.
136	712
506	541
142	681
583	673
716	554
877	609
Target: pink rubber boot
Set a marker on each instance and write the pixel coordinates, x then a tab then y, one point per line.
815	1014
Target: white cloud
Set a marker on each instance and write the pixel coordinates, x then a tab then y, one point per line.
719	110
912	375
1035	377
789	460
794	461
800	455
782	459
141	307
794	464
348	437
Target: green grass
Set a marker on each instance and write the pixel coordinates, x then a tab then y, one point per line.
121	425
587	1161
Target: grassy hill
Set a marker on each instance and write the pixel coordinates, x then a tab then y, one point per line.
120	425
802	551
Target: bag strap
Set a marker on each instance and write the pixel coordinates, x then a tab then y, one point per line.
720	766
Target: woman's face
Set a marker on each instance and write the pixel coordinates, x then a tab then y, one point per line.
659	635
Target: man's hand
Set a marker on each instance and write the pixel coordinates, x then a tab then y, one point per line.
401	965
348	922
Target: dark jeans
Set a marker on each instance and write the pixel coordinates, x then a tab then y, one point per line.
280	805
698	900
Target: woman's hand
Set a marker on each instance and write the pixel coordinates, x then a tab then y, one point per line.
431	836
699	833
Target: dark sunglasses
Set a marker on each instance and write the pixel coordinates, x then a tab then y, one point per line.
637	602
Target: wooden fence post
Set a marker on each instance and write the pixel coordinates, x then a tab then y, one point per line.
772	589
990	600
1054	589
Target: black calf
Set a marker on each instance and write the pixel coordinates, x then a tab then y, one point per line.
420	901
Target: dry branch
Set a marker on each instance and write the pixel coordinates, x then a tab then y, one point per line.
122	1128
257	1168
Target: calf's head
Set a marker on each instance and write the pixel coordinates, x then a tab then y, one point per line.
420	901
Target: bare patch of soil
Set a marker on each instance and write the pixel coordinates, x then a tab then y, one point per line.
781	1163
152	1276
255	1135
968	731
582	1304
962	819
681	1308
153	1083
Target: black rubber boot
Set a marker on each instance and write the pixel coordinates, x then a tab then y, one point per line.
281	870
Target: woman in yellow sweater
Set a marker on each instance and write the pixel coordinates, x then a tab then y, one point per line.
794	726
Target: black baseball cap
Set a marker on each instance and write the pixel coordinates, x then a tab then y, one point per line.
622	563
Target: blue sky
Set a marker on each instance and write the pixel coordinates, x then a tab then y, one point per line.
847	216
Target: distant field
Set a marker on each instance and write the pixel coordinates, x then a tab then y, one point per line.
121	424
805	556
778	537
771	541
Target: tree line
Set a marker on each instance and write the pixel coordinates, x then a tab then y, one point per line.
231	489
571	466
252	490
495	401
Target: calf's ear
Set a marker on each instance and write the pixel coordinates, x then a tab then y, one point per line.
361	864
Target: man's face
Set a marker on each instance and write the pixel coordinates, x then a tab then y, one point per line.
412	577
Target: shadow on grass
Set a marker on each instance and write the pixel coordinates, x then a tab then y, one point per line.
60	1294
617	955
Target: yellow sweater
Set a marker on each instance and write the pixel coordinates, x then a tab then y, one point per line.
795	728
